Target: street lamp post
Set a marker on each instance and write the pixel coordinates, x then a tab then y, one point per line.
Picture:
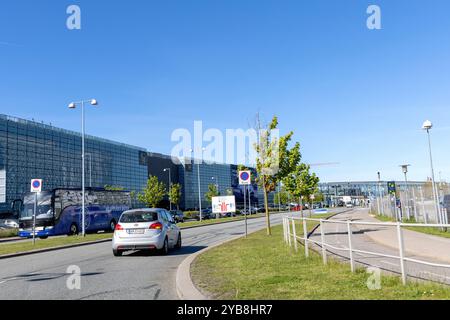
427	125
90	169
170	187
73	105
405	172
380	197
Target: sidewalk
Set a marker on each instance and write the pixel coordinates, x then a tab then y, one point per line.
416	243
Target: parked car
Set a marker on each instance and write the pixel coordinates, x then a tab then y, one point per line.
146	229
206	215
228	215
258	210
9	224
177	215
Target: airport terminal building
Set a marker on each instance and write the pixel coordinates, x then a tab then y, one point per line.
29	149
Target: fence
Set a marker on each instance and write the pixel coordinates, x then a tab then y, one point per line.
292	237
416	203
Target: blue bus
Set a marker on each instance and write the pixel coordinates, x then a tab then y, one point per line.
58	212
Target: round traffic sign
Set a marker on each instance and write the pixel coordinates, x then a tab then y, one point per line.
245	176
36	184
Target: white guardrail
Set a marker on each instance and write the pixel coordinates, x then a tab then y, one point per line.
291	237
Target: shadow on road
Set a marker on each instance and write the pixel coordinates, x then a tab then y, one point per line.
149	253
343	233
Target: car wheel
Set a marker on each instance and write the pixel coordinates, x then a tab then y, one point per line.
117	253
73	229
165	249
179	242
43	238
112	226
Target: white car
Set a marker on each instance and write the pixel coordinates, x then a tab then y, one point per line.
9	224
349	205
146	229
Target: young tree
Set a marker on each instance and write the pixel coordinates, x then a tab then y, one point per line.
281	197
274	160
212	192
175	194
301	183
153	193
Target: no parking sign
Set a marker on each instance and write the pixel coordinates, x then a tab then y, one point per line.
36	185
245	178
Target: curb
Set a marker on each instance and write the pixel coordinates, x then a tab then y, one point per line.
11	239
332	216
186	288
20	254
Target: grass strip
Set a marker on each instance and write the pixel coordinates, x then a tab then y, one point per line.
27	245
263	267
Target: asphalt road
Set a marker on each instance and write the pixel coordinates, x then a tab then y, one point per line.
134	276
336	235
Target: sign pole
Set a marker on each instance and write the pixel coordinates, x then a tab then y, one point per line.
245	200
36	187
34	218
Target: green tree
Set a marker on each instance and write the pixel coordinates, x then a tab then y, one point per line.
153	193
175	194
301	183
212	192
282	196
274	160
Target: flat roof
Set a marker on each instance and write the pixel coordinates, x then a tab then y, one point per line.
50	127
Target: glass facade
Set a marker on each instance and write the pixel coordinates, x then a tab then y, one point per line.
365	189
219	174
33	150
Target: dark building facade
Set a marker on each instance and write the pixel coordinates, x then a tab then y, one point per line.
34	150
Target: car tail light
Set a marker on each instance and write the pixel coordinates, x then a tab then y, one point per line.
118	227
156	226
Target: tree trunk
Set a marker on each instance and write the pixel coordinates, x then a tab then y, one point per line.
300	201
266	205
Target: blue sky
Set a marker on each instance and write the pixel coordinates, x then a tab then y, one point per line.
352	95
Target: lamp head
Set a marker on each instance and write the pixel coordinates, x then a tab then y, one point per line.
427	125
94	102
72	106
405	167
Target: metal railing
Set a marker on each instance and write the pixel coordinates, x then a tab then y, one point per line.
291	238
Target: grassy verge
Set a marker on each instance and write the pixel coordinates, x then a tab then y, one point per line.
8	233
428	230
216	221
262	267
27	245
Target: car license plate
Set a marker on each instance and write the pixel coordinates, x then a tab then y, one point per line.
135	231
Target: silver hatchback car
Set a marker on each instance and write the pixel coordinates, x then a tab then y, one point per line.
146	229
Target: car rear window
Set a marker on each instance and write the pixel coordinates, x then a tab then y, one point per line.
139	216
